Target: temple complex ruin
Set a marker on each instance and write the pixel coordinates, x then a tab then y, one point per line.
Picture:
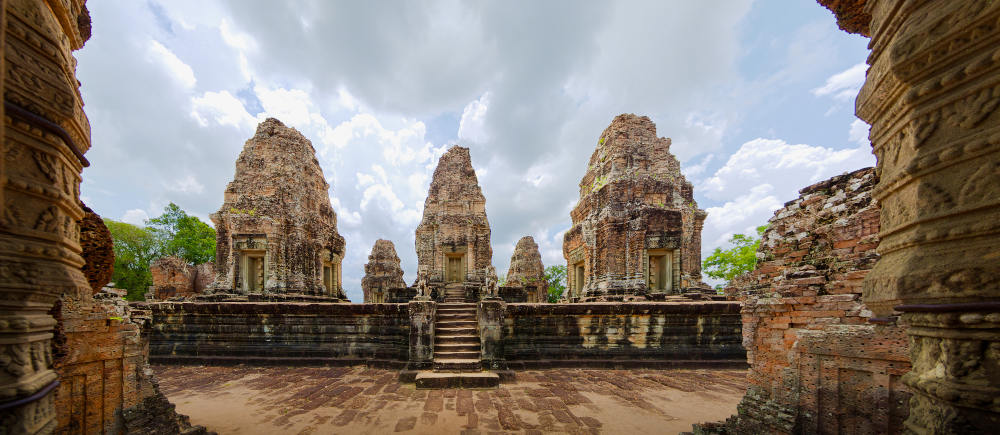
636	230
453	238
822	359
276	232
383	276
526	275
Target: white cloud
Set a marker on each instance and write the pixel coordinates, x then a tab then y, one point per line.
472	126
762	160
186	185
344	215
859	132
135	217
223	108
179	71
844	85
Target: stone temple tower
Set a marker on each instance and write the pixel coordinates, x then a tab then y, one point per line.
636	230
453	239
276	232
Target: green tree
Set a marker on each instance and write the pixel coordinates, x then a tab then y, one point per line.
134	248
556	277
184	235
741	258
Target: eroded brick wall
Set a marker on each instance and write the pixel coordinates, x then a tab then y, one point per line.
622	335
819	362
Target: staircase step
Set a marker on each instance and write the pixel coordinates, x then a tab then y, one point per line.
456	355
457	365
457	339
442	309
457	305
451	332
426	379
456	324
453	317
457	347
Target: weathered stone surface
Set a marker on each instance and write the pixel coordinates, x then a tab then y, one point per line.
175	278
526	272
276	231
636	229
98	250
291	333
422	315
816	364
382	273
45	134
931	96
851	15
453	238
641	334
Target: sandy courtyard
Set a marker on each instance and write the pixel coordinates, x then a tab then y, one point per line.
304	400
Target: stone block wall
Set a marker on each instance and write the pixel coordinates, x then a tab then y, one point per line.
279	333
819	361
622	335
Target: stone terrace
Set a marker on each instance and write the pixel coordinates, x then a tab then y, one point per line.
361	400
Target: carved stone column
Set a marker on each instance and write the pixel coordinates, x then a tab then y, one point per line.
491	316
45	134
931	96
422	317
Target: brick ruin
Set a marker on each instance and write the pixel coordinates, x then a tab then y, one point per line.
276	233
818	359
175	278
383	281
526	275
453	238
636	230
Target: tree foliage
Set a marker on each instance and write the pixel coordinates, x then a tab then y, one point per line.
183	235
172	233
556	277
741	258
134	248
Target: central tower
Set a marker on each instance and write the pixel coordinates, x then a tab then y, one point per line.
453	238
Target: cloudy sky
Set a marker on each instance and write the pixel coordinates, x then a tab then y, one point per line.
758	97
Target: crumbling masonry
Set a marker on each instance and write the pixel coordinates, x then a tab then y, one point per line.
453	238
636	230
383	276
276	232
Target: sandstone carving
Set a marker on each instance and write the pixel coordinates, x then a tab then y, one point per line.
931	97
98	250
276	231
175	278
636	230
453	238
45	135
382	273
803	317
526	275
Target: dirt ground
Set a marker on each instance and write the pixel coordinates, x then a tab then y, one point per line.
342	400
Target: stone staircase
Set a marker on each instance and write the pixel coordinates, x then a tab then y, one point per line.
457	362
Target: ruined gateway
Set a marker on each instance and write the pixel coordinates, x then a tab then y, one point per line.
276	232
636	230
453	238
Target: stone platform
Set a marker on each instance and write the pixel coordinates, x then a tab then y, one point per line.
362	400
